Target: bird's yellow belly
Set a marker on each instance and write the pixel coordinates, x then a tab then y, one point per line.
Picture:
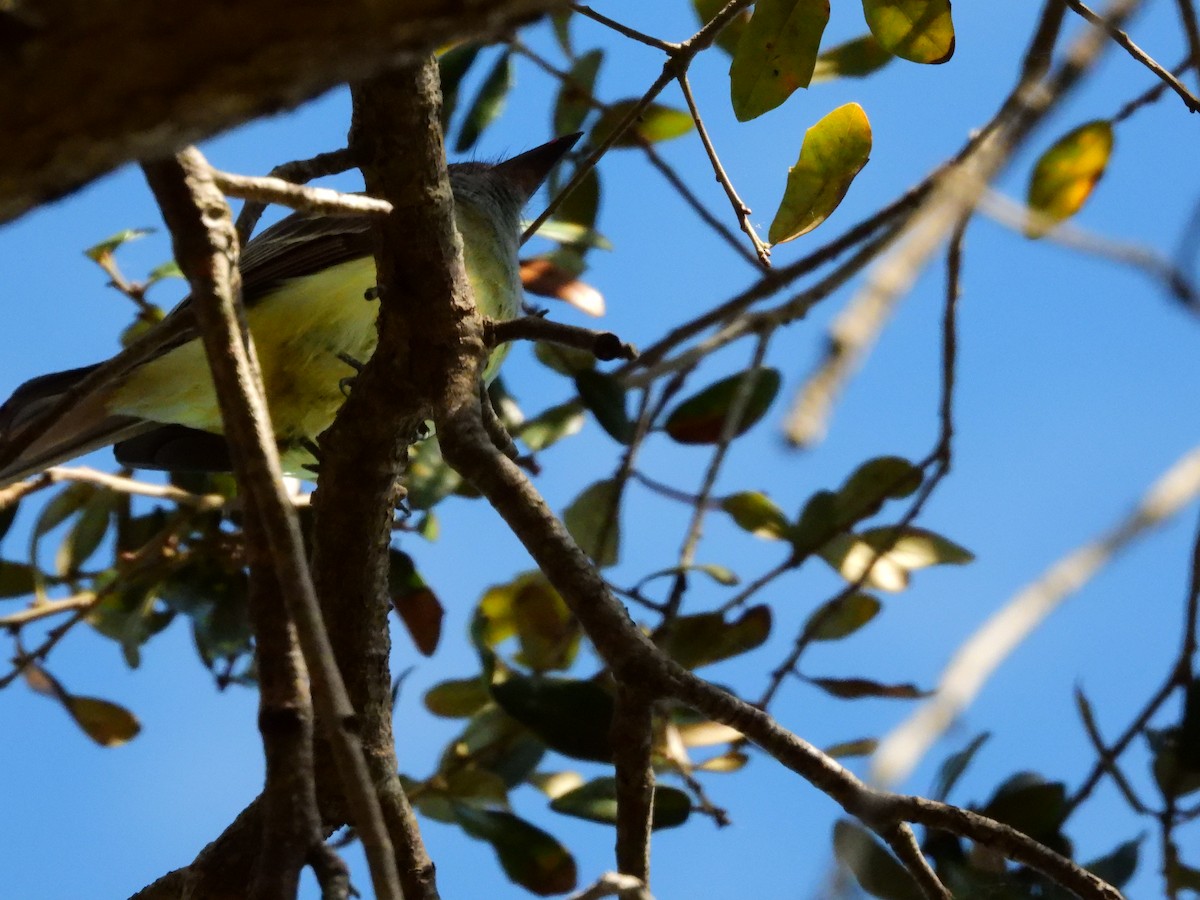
299	331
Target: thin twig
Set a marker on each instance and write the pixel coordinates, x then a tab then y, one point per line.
1124	41
631	33
740	209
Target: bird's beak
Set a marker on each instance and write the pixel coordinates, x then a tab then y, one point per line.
530	169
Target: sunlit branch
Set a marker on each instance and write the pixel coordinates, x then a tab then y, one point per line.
297	171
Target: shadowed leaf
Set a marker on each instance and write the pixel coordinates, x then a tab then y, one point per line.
853	59
596	801
842	617
858	688
700	419
955	765
530	856
570	716
604	395
699	640
876	871
488	105
921	31
834	151
574	100
1117	866
593	518
1030	804
776	54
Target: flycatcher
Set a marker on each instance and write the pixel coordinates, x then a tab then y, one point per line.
304	282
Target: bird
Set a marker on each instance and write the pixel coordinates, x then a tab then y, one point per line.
307	285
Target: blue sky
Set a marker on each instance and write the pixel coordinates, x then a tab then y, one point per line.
1076	389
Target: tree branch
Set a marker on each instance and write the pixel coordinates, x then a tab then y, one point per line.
196	74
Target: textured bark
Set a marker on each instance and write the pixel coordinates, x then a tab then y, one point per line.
87	86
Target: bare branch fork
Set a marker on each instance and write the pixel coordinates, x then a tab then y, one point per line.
206	248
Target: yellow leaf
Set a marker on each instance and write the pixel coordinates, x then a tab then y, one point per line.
108	724
834	151
1065	175
776	54
921	31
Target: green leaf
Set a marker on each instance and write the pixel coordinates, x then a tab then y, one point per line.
457	698
853	59
529	856
728	39
489	103
1065	175
453	65
834	151
890	554
105	248
699	640
16	579
920	31
955	765
169	269
876	871
655	123
593	519
858	688
570	716
700	419
1117	866
1030	804
756	513
575	96
596	801
841	617
551	426
605	397
776	54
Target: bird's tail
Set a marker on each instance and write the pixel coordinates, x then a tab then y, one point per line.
84	425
